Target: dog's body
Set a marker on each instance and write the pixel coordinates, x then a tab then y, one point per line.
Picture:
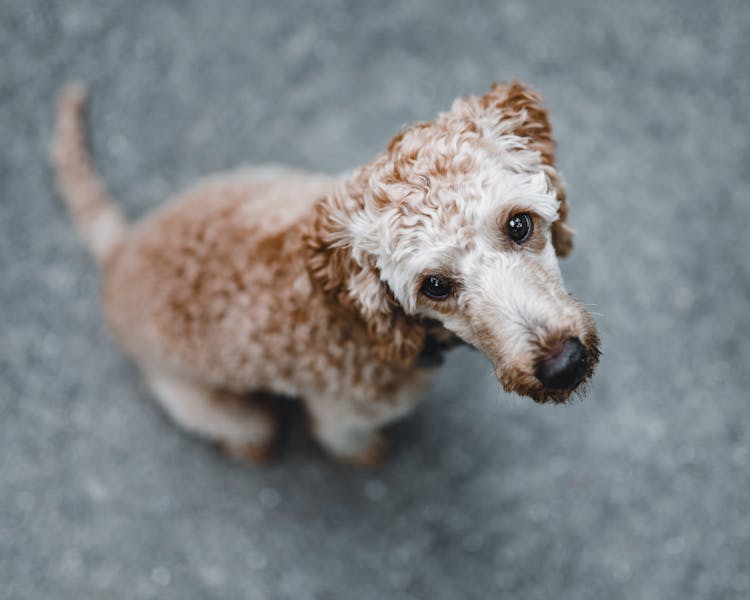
213	289
277	282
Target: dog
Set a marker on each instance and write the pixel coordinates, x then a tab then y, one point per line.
343	292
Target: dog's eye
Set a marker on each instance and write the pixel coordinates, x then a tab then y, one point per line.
436	288
520	227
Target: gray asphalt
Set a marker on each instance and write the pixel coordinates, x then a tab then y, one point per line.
639	491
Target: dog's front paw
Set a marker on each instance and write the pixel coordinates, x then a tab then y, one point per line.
372	456
256	453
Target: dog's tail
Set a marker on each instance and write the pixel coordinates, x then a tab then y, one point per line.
98	219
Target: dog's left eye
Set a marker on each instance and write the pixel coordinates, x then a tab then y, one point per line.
520	227
436	288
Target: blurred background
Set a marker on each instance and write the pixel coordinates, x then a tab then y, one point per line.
641	490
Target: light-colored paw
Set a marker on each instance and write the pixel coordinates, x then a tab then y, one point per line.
255	453
373	456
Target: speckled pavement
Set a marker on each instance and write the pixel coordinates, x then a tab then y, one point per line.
639	491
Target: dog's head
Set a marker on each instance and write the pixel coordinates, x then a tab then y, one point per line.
460	221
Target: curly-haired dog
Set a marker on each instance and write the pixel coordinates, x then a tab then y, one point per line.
342	291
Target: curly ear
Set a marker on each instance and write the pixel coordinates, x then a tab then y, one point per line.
520	105
354	282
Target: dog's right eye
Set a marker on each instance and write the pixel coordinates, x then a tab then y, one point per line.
520	227
436	287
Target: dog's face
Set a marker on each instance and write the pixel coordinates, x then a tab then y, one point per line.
462	219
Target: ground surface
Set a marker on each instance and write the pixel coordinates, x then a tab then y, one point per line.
640	491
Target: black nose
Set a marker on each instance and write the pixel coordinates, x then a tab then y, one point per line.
566	368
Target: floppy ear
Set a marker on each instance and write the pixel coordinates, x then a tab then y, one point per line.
354	282
520	105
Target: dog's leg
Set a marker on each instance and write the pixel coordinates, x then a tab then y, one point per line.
348	437
358	445
242	428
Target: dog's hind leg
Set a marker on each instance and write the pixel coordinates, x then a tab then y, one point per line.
243	428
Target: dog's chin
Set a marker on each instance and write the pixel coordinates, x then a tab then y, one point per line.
543	395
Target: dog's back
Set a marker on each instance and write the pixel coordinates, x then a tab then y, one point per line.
204	281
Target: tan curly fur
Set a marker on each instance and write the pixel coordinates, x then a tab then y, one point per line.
271	281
